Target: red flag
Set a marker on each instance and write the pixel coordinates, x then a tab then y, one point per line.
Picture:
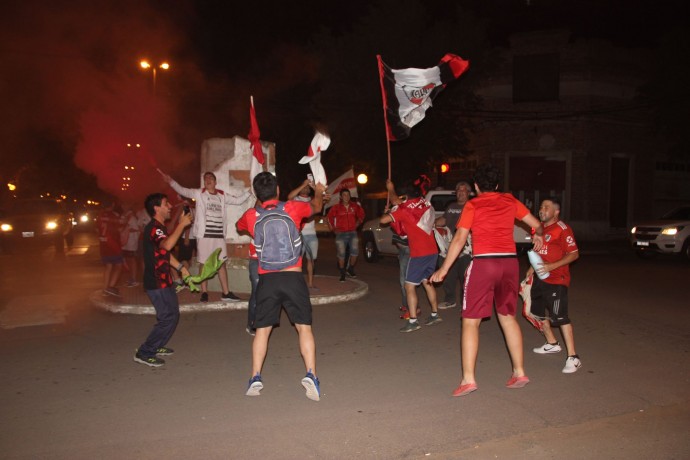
254	134
407	93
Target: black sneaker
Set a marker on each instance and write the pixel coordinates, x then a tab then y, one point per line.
152	361
204	297
351	272
342	276
230	296
164	351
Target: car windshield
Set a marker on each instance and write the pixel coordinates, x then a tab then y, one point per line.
25	207
441	202
678	214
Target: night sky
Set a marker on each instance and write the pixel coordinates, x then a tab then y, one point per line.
73	95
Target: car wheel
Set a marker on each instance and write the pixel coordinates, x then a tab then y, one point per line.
371	253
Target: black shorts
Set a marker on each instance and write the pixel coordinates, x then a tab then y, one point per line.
184	252
282	289
551	297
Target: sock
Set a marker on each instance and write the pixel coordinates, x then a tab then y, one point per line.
413	320
434	314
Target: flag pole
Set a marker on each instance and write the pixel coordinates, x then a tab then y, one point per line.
385	117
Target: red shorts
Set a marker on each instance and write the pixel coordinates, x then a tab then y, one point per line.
491	280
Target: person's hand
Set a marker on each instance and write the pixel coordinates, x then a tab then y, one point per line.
184	272
390	186
185	219
537	242
320	188
438	275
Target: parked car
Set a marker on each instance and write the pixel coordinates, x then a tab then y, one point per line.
669	234
378	239
35	222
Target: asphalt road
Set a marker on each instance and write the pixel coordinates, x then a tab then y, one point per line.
70	389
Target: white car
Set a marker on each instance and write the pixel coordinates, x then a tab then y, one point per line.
378	239
668	235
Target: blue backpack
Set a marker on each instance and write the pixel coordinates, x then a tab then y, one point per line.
276	237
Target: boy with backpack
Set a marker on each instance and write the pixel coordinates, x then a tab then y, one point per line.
274	226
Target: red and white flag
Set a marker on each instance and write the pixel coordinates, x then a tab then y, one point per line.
408	93
319	143
346	181
254	133
258	158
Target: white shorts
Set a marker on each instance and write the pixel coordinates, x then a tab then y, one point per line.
205	246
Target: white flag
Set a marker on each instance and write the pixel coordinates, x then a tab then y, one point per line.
346	181
319	143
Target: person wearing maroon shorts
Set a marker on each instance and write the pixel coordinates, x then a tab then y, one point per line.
492	277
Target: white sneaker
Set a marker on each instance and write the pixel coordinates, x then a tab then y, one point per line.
572	364
446	305
547	348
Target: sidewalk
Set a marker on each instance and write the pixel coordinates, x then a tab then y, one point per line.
135	301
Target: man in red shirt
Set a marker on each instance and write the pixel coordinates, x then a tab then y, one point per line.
343	220
558	252
417	217
110	246
282	288
492	276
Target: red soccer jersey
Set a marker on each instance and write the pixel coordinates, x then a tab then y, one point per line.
109	234
414	216
491	217
558	242
298	212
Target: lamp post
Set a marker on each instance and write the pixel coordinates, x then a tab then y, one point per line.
144	64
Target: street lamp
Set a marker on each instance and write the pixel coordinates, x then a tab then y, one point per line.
144	64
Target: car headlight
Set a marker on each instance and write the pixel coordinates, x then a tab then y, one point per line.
5	227
633	230
84	218
51	225
670	231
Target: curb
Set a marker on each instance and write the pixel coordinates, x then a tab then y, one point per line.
96	298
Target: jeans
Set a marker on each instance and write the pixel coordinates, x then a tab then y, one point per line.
456	272
254	280
346	240
167	315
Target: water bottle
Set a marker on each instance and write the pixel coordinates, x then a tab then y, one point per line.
536	261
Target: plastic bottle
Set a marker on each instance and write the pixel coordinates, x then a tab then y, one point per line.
536	261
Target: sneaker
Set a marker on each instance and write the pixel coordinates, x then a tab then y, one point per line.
445	305
113	291
164	351
548	348
311	383
517	382
351	272
230	296
255	386
342	276
251	331
204	297
431	320
572	364
152	361
132	284
411	327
